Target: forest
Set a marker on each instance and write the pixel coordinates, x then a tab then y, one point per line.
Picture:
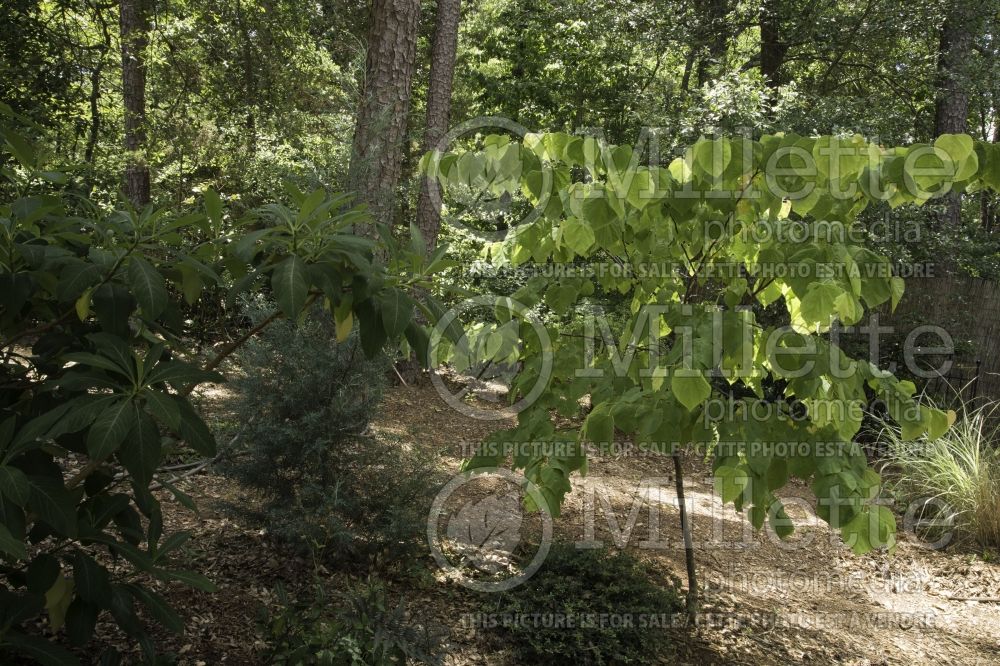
369	332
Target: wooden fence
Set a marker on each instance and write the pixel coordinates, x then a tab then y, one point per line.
969	310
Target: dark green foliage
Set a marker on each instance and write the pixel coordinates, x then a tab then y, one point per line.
365	628
306	400
93	327
613	612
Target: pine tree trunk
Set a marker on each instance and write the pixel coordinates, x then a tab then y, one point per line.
380	130
951	109
438	108
134	40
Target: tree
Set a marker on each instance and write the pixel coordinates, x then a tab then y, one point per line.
449	13
134	40
712	34
772	46
699	248
951	105
99	384
380	129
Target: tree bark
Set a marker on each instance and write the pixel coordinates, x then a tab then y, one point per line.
692	575
380	130
713	36
95	114
951	108
438	109
95	96
772	48
989	201
134	40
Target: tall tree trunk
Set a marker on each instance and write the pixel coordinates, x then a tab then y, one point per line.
989	201
95	97
692	600
438	108
713	36
134	39
688	66
951	108
772	48
377	152
95	114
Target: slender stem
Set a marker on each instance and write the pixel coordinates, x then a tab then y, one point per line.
692	576
236	344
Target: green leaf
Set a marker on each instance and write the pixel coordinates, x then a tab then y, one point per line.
109	430
780	522
141	453
163	408
92	582
81	619
577	235
396	309
172	543
730	482
712	157
599	427
560	297
42	573
896	287
189	578
19	147
420	343
148	287
288	281
872	527
819	303
57	601
180	373
14	485
182	498
961	150
371	327
76	279
690	388
937	422
192	283
158	608
213	207
11	545
113	304
41	650
97	361
54	504
193	429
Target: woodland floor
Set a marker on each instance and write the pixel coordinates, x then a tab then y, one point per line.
817	604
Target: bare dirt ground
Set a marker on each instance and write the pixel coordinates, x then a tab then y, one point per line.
809	600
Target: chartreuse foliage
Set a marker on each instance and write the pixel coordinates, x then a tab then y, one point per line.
91	332
695	245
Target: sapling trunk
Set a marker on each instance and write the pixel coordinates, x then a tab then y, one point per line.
692	576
